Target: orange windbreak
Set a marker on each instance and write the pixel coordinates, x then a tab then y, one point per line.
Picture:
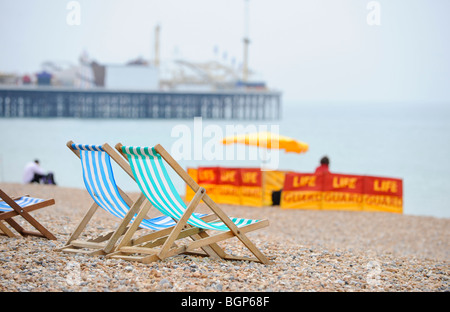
228	190
302	191
251	187
342	192
383	194
208	178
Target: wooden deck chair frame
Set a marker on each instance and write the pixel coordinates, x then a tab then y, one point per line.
155	238
145	245
106	243
24	212
102	244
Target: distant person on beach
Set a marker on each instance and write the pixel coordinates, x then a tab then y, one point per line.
33	173
324	166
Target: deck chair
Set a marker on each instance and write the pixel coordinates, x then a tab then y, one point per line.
154	182
22	206
99	181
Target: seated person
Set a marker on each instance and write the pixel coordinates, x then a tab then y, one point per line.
33	173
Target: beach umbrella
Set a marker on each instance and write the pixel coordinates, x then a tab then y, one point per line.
268	140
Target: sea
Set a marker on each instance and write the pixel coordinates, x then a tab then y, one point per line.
409	141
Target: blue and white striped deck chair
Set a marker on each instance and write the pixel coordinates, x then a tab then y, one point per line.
99	181
153	179
11	207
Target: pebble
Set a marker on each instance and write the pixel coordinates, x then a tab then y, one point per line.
310	251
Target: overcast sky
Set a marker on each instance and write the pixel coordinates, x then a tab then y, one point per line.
311	50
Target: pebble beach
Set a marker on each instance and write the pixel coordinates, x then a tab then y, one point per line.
310	251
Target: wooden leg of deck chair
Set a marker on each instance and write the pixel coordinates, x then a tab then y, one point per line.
210	203
126	240
124	224
213	250
24	232
181	223
82	225
15	225
42	230
235	230
146	247
20	229
5	230
227	235
159	238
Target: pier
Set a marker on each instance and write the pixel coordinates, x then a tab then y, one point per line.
54	102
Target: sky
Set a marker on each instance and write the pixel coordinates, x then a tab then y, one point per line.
310	50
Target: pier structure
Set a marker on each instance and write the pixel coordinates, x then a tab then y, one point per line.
53	102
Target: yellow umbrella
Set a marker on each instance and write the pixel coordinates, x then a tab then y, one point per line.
268	140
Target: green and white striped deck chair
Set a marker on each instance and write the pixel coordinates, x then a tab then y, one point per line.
99	181
22	206
152	177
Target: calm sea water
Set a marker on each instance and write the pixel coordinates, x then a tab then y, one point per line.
410	141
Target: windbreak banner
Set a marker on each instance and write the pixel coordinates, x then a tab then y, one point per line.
237	186
208	177
193	173
228	188
342	192
302	191
253	187
383	194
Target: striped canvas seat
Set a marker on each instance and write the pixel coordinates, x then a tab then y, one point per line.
100	183
153	180
22	202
